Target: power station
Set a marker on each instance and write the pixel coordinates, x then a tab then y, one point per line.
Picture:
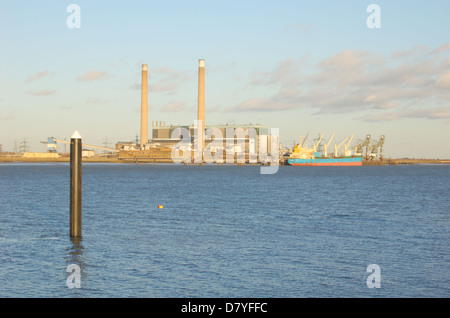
165	138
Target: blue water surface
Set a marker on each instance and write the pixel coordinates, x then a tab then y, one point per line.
226	231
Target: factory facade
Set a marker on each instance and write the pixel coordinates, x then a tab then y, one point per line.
219	135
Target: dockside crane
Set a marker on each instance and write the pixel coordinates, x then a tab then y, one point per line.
301	143
359	147
304	140
381	147
346	151
326	146
336	147
374	147
318	142
51	145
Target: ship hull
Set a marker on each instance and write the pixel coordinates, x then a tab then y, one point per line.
346	161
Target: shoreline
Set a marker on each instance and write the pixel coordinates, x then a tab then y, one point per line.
405	161
12	159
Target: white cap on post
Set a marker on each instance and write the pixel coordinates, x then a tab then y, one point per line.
76	135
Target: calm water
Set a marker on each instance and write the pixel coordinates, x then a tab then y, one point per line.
226	231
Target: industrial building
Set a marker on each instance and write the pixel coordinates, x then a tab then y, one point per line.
162	136
165	138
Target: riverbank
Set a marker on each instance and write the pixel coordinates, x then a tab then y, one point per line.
10	159
405	161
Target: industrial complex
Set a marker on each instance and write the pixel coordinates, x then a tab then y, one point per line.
219	140
199	143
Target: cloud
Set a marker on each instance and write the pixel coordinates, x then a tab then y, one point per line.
431	113
96	101
443	81
174	107
163	87
285	72
36	76
222	68
159	87
370	98
261	104
446	63
164	80
444	48
387	105
387	116
168	74
168	80
215	109
352	81
91	76
344	60
417	50
44	92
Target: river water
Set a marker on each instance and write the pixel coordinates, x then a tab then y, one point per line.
226	231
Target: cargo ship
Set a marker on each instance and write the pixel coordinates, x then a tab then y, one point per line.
330	161
304	156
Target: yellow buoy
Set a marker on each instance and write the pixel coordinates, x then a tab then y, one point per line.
160	206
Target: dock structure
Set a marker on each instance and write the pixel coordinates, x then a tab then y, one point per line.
164	155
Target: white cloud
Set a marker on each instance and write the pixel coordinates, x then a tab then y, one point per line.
164	80
91	76
417	50
428	113
387	105
36	76
370	98
174	107
431	113
444	48
358	81
44	92
163	87
443	81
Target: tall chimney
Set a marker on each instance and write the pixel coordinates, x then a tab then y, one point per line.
201	101
144	106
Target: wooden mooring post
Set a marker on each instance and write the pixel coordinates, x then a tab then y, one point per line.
75	185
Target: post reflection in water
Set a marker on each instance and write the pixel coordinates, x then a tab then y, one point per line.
75	263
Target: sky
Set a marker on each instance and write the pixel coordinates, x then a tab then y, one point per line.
305	67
